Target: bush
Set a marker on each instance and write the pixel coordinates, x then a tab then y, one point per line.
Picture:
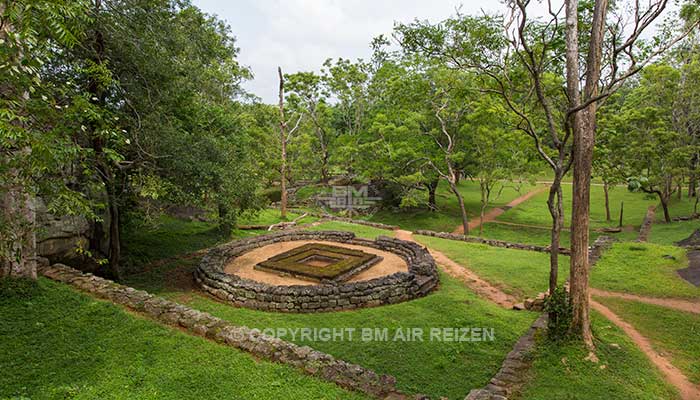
558	307
273	195
17	288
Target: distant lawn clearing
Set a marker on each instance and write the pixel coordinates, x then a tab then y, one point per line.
518	272
447	217
671	332
535	212
669	234
62	344
560	371
640	268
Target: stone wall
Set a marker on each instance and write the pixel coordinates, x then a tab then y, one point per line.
312	362
513	372
420	279
490	242
59	237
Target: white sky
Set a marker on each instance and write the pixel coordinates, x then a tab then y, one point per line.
299	35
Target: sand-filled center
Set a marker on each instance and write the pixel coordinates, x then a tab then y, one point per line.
244	265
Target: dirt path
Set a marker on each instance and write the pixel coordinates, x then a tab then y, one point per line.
676	304
687	389
472	280
495	212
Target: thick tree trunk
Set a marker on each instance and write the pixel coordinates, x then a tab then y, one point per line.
584	126
584	134
607	203
17	211
19	260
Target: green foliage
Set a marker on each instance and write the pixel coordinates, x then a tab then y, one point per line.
558	306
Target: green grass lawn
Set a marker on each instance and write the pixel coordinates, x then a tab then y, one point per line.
518	272
433	368
560	371
447	218
60	344
671	332
640	268
438	369
535	212
669	234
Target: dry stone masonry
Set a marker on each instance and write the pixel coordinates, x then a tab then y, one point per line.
421	278
312	362
490	242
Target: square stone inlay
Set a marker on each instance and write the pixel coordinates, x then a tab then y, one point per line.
320	262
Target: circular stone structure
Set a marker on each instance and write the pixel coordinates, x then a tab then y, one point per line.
259	272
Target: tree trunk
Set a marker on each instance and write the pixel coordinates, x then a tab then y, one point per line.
114	237
462	208
608	218
224	224
283	140
19	212
584	133
664	204
584	126
432	190
555	206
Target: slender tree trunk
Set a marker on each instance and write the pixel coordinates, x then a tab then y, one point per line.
114	236
607	202
432	190
283	140
555	206
462	208
664	204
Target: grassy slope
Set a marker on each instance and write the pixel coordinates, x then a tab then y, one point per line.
447	218
560	372
641	268
671	332
434	368
534	211
61	344
668	234
522	273
438	369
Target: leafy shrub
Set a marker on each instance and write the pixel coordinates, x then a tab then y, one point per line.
558	307
273	194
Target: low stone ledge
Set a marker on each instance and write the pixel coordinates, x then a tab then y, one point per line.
491	242
513	372
312	362
421	278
